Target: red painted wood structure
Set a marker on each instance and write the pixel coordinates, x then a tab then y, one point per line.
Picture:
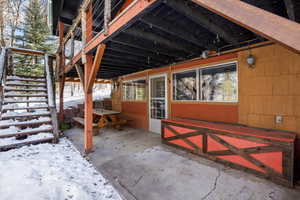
263	152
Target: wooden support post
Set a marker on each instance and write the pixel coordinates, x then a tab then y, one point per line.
107	15
61	68
88	64
88	108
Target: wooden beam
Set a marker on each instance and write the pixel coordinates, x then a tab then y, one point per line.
201	18
27	51
128	14
61	68
176	30
259	21
167	42
80	74
95	68
61	98
77	20
88	65
107	15
88	108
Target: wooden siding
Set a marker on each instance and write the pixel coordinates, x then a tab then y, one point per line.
211	112
137	113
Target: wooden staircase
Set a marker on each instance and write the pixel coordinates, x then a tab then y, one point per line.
27	110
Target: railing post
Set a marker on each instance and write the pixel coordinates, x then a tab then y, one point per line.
2	73
107	15
51	102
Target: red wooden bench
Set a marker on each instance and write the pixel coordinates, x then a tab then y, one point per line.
266	153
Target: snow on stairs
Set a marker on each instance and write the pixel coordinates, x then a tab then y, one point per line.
25	115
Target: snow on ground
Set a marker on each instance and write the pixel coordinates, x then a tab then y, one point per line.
76	100
51	172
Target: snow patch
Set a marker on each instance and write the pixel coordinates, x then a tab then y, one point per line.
54	172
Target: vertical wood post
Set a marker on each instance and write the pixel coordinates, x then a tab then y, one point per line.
87	35
107	15
61	68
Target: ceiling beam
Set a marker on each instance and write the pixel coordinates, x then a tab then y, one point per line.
128	41
173	29
117	61
144	59
127	51
172	44
137	51
259	21
200	18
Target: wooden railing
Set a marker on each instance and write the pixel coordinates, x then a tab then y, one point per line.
3	63
51	99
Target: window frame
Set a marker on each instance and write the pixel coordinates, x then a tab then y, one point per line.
198	80
131	81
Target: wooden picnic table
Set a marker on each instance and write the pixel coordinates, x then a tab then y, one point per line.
103	112
109	117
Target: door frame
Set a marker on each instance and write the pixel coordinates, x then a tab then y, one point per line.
165	75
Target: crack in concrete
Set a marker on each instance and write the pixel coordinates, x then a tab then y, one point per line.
137	181
214	186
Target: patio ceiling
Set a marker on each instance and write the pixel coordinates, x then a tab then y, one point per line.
169	31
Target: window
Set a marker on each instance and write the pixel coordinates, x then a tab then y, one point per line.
134	90
219	83
184	85
216	84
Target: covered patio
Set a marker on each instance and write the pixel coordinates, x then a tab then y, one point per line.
227	62
140	167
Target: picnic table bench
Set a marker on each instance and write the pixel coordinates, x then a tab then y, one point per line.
102	119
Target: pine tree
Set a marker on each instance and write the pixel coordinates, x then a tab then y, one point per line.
35	35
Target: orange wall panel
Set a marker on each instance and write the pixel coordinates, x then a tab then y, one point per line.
137	113
221	113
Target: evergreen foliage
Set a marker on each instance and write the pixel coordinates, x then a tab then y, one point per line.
35	35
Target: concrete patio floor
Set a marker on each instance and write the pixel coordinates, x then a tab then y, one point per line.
141	168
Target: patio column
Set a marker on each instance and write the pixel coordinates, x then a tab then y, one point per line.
61	69
87	60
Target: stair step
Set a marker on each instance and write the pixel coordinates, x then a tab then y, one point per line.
26	80
23	90
25	95
25	101
25	76
25	108
25	114
11	143
27	132
25	84
28	123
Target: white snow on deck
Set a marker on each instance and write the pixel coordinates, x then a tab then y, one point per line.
16	114
54	172
13	140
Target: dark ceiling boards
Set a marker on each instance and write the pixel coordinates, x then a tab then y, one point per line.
170	31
